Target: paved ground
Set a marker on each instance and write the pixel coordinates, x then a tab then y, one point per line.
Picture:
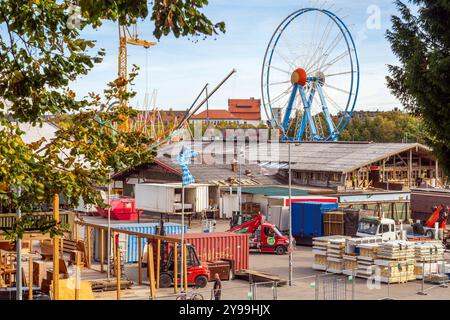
303	285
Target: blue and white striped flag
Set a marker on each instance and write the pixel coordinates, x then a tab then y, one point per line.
183	160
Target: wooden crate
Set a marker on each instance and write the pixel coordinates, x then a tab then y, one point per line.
333	223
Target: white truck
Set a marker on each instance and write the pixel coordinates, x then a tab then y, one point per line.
384	228
388	230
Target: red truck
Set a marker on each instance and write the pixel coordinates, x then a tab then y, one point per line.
264	237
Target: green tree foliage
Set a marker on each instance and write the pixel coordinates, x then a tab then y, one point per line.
40	55
421	41
390	126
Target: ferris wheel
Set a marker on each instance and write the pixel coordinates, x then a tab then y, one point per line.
310	76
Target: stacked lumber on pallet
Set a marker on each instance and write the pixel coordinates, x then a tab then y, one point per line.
350	264
320	247
429	257
396	262
366	259
335	253
320	253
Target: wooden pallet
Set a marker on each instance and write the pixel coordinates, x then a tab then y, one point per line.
258	277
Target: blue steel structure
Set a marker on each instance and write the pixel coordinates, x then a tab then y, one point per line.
312	90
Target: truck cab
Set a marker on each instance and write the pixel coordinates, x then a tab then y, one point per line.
264	236
267	238
376	227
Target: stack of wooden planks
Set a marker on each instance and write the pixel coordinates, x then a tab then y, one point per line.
396	261
320	247
366	258
429	258
335	253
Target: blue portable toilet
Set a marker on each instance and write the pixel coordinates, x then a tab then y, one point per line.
307	218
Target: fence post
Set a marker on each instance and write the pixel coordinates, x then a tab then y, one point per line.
275	290
443	285
316	286
422	291
353	284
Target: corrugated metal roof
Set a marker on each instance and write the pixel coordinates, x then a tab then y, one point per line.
339	157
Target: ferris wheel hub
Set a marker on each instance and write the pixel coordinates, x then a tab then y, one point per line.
299	76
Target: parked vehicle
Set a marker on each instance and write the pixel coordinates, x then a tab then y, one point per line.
264	237
388	230
198	273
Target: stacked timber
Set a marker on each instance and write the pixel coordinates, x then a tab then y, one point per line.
335	255
350	264
366	259
396	262
429	257
320	253
320	248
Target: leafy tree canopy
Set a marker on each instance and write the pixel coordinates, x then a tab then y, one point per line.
40	55
420	38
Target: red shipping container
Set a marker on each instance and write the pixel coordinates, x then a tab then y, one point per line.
221	245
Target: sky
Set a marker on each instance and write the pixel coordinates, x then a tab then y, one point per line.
179	68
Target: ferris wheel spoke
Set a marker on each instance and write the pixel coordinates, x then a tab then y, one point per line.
333	102
338	89
279	69
322	41
282	95
339	74
285	59
328	65
278	83
319	62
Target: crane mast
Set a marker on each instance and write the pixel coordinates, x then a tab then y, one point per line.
125	38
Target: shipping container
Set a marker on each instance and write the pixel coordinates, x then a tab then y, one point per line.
166	198
221	246
307	218
272	201
129	242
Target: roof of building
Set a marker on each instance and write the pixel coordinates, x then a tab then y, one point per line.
214	115
274	191
205	169
340	157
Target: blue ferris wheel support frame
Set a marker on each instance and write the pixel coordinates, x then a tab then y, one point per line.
307	119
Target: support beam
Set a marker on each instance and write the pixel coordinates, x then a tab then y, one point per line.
158	262
185	269
118	274
102	249
30	277
89	254
151	270
77	274
175	267
410	169
140	261
56	250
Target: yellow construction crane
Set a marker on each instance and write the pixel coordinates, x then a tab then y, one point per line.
126	37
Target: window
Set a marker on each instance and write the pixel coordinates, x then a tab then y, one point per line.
368	227
384	228
268	232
